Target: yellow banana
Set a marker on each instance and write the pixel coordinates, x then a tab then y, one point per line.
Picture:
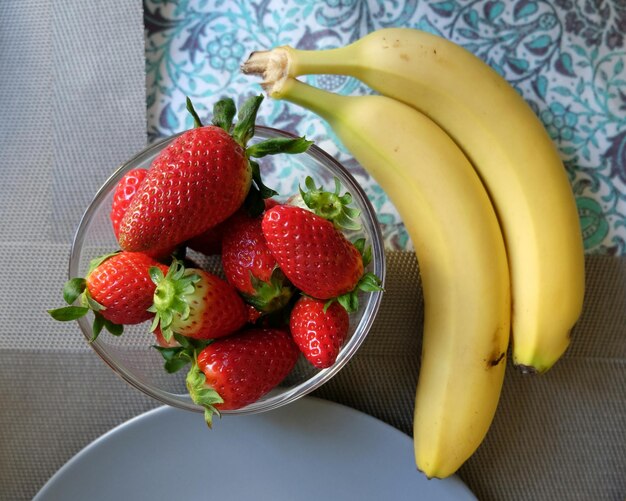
462	261
508	147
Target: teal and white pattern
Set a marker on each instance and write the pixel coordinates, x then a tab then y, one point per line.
566	57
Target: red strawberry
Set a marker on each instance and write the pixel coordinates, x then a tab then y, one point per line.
195	303
195	183
122	197
162	342
118	288
253	314
249	265
311	249
311	252
319	334
199	180
124	193
236	371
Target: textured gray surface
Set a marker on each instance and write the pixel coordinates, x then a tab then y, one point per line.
557	436
72	95
73	108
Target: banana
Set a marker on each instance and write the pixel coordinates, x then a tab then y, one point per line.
462	262
509	148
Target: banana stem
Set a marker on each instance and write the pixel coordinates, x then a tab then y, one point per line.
325	104
283	62
315	62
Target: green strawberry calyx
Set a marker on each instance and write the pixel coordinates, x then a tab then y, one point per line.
242	132
331	205
170	295
202	394
177	357
369	282
272	295
76	289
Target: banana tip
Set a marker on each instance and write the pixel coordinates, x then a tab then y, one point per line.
527	369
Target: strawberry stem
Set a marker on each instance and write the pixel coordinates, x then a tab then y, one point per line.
270	296
244	129
223	113
169	300
331	205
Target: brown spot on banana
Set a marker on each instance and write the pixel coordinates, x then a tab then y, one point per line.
495	360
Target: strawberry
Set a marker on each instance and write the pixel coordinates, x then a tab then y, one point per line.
236	371
200	179
124	193
249	265
117	288
319	330
195	304
162	342
311	249
253	314
122	197
312	253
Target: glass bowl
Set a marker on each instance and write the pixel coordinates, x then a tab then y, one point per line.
132	355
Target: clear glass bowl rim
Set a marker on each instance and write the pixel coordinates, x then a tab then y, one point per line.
379	268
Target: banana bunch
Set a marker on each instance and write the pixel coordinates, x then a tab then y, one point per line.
487	204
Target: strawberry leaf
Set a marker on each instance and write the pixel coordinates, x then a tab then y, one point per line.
175	364
168	353
156	274
365	251
369	283
269	296
253	203
175	358
184	341
97	326
192	111
278	145
223	113
68	313
73	289
115	329
244	129
201	394
265	191
169	300
349	300
92	303
94	263
328	303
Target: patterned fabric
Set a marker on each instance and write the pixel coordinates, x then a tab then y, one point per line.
566	57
